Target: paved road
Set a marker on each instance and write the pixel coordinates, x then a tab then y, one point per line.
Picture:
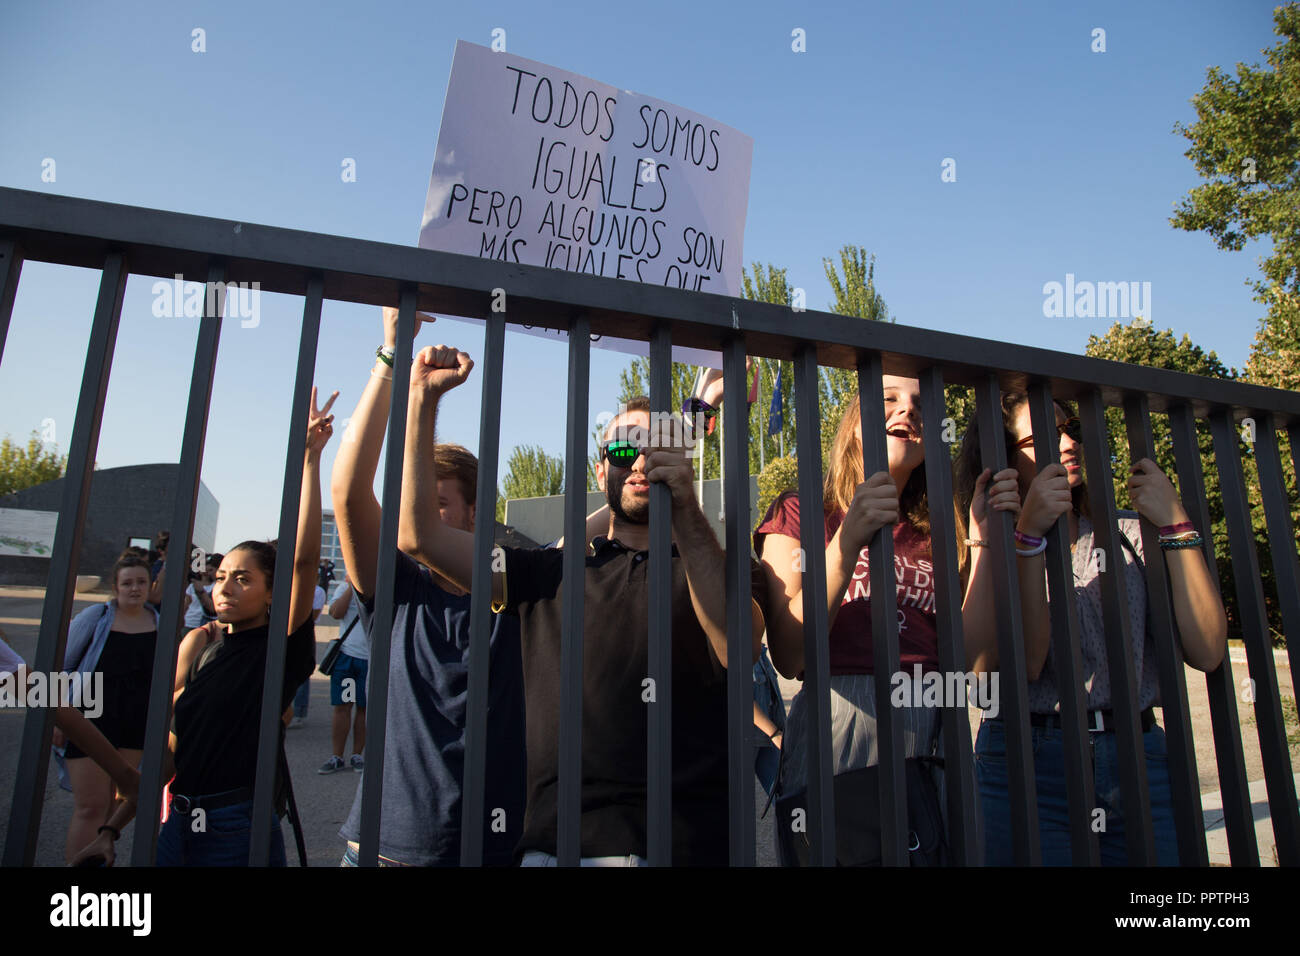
324	800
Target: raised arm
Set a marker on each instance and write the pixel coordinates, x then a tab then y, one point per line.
352	484
978	612
421	531
1202	623
306	552
1046	500
702	556
874	505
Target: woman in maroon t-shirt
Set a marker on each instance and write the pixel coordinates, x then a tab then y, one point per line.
854	511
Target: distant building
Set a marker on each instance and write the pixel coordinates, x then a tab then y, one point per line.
133	502
330	547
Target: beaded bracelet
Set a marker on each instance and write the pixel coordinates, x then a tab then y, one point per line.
1177	543
976	543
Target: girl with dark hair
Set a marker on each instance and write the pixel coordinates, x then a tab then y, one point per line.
110	648
1048	493
855	511
217	715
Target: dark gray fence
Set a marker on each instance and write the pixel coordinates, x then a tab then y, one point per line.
124	240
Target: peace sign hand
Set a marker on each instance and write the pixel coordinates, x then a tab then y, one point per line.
320	424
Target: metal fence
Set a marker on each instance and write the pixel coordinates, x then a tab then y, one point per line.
124	240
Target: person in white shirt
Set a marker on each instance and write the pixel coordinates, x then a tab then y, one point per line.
348	682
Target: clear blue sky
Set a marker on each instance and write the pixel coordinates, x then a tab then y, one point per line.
1066	163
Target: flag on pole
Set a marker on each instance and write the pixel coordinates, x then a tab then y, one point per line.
775	415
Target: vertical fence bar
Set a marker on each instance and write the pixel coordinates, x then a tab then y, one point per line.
11	267
1130	754
1013	683
277	640
959	764
1066	655
884	625
572	597
1293	438
175	576
372	781
474	785
659	726
1281	534
1189	820
34	755
816	618
1254	632
740	609
1220	686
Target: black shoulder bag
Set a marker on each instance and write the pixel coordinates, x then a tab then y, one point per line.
336	647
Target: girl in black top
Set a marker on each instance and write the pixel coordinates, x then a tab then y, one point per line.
116	694
215	730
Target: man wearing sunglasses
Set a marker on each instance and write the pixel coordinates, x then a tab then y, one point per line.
615	652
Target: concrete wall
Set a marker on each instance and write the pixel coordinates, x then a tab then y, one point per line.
131	502
542	519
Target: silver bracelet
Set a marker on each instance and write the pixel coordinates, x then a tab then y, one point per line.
1032	552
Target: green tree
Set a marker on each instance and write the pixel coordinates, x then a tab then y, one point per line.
530	473
24	467
1246	145
855	295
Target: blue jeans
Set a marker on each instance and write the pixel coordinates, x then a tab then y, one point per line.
1053	803
224	841
302	698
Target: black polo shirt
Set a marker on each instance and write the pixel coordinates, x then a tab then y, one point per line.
614	715
217	716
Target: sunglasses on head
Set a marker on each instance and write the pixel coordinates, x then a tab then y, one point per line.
620	452
1072	427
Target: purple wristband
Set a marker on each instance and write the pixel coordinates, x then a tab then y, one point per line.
1028	540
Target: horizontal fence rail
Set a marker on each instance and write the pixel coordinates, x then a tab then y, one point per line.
120	241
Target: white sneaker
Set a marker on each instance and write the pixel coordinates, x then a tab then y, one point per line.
297	722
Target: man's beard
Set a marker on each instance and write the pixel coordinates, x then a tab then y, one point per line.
640	511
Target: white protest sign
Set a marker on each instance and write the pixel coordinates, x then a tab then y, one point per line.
543	167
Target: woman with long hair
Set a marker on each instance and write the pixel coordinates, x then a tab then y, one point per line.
1048	493
218	710
110	648
855	510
